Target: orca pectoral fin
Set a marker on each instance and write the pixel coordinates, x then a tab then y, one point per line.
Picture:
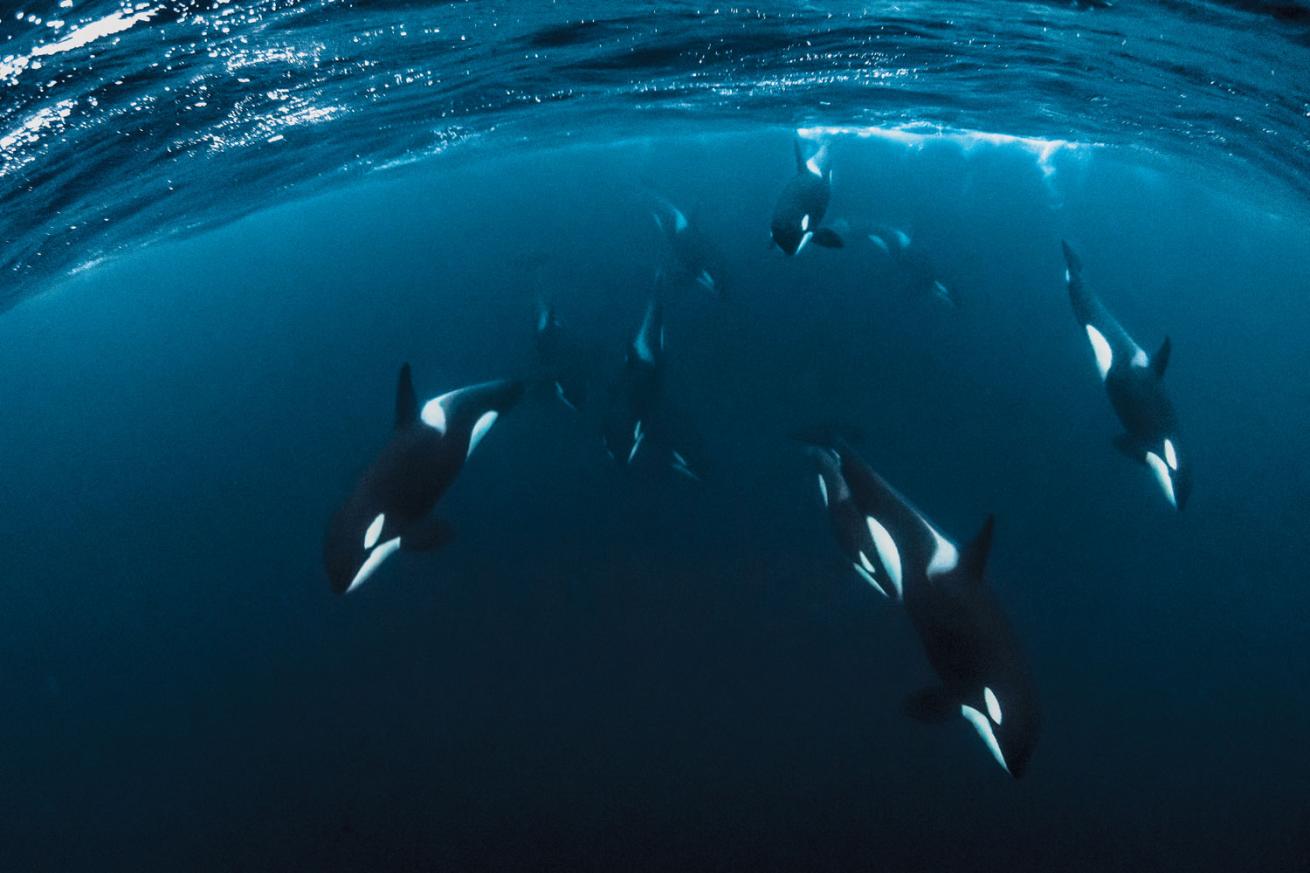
946	295
426	535
679	464
932	705
828	238
572	391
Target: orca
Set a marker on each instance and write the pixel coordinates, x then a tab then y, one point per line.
560	357
391	505
1134	381
690	257
984	676
639	426
914	262
802	204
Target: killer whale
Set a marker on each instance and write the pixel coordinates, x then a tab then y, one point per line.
914	263
801	205
690	257
391	505
1134	382
969	642
560	357
639	427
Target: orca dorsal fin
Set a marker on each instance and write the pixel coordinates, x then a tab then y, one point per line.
1160	361
406	402
974	558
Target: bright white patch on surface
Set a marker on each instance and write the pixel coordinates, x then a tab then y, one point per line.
374	531
705	280
813	166
804	240
917	134
823	489
868	565
805	221
879	242
543	321
903	238
868	577
1140	359
1101	348
984	728
434	414
1067	277
480	428
945	557
1170	456
993	705
887	551
679	220
374	560
1162	476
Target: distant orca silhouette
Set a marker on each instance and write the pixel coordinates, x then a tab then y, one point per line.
561	357
914	262
638	425
392	503
691	257
1135	383
969	642
802	204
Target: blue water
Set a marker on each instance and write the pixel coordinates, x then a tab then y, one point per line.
607	668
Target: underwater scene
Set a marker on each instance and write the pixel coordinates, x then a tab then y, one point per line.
614	436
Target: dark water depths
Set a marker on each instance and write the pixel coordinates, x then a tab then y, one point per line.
608	670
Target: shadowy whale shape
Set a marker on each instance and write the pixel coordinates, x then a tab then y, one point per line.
914	262
1134	382
639	426
561	357
391	505
690	256
968	640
